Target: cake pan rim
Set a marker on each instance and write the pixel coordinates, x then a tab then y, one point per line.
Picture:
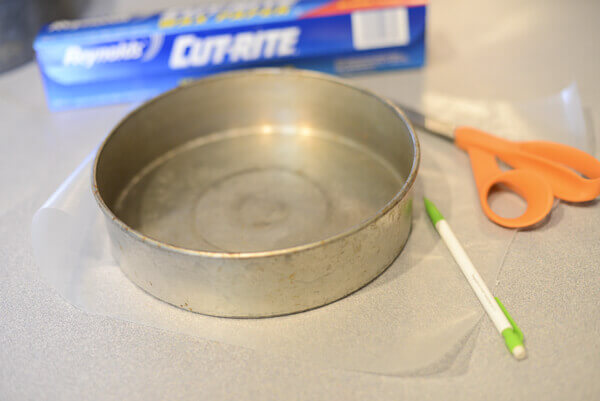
398	196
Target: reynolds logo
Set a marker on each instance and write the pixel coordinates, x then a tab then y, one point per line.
192	51
144	50
78	56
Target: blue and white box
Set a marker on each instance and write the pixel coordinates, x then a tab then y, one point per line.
113	60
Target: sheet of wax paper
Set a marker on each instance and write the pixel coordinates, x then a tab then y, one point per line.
418	318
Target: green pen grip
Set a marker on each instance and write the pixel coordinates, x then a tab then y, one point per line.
514	336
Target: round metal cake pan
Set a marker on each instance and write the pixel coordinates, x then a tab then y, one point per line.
258	193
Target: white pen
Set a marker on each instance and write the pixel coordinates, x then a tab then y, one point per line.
506	326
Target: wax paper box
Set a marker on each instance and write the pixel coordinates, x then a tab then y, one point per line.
110	60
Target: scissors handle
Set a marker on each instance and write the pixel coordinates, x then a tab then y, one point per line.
585	189
542	170
557	164
528	185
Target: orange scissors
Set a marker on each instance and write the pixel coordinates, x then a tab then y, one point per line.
541	171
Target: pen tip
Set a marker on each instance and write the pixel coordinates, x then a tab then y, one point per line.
432	211
519	352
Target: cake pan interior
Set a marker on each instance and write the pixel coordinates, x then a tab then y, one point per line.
255	162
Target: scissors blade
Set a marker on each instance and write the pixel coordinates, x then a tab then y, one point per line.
431	125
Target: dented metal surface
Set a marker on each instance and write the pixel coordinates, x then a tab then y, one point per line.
258	193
